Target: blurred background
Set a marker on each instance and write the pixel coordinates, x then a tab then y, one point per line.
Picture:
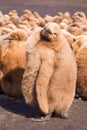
43	7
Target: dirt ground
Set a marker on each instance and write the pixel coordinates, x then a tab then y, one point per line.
14	113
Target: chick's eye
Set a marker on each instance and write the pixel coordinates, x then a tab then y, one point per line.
55	33
44	28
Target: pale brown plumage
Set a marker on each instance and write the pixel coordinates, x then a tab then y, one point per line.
13	63
81	58
52	73
80	50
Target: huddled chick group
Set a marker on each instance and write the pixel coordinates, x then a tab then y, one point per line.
15	33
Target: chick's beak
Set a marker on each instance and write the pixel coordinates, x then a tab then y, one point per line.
8	38
48	30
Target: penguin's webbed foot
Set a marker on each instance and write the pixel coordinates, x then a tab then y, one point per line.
42	119
65	115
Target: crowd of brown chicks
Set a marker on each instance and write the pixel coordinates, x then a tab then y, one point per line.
14	33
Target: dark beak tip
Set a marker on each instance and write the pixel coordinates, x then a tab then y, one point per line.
6	38
48	30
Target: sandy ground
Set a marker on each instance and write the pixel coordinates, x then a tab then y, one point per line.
14	113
